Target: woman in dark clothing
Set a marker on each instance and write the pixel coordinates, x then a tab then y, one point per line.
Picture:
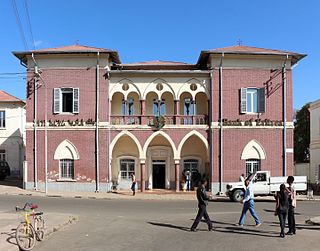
282	207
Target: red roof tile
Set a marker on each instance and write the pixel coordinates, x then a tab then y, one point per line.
74	48
6	97
249	49
157	62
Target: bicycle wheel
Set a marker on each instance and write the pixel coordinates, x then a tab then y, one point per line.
25	236
39	225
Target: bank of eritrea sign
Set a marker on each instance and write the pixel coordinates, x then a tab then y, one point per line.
250	122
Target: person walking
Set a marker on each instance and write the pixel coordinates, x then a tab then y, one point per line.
202	205
248	204
133	185
282	206
292	205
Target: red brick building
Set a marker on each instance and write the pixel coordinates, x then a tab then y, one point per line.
92	121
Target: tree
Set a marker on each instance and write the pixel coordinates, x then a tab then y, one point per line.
302	135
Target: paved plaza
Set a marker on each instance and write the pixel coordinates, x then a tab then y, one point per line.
141	224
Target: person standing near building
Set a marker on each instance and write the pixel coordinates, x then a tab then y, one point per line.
202	205
248	204
292	204
242	178
188	180
282	205
133	185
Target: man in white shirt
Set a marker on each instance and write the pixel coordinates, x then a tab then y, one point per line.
248	204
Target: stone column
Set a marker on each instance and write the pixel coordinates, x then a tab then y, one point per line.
142	175
143	112
177	111
177	174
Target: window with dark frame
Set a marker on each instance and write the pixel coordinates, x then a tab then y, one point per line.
2	154
2	119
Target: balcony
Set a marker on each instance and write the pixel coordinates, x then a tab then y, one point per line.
169	120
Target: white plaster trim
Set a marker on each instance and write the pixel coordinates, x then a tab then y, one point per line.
152	136
64	146
129	134
253	150
187	136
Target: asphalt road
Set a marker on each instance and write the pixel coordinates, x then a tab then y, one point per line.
164	225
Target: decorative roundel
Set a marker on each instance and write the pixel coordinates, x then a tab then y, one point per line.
125	87
193	87
159	87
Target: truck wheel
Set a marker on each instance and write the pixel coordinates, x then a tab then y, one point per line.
237	195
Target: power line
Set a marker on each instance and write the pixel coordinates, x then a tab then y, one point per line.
29	23
15	9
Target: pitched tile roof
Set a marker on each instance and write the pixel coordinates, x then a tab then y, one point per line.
157	62
70	49
248	50
6	97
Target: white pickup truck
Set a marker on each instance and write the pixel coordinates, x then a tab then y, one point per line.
263	184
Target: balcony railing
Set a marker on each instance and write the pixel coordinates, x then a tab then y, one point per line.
149	120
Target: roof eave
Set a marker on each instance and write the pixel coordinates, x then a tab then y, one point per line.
22	55
205	54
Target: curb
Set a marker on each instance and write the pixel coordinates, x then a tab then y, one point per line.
313	222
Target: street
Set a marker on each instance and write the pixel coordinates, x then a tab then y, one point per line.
108	224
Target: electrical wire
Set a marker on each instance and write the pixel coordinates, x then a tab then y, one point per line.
16	12
29	23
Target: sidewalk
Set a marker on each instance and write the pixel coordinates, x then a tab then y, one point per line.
10	220
126	194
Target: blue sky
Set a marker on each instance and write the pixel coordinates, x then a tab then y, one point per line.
166	30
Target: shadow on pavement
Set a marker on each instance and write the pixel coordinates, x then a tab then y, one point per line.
11	237
12	182
187	229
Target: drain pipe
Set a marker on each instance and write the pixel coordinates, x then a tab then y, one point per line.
220	126
97	126
284	105
210	132
35	116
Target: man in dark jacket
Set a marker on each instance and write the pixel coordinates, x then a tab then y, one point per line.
202	205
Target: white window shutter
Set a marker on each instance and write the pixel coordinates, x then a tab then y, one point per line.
76	100
243	100
261	100
56	100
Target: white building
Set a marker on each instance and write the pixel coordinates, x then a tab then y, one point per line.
314	142
12	132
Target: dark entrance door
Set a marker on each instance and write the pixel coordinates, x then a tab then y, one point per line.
159	175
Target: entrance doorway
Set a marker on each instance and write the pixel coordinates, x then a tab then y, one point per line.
159	175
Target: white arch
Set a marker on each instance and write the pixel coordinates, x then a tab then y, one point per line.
152	136
66	150
201	88
253	150
129	134
152	88
187	136
117	87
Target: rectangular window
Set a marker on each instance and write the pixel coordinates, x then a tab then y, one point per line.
66	169
252	166
252	100
66	100
2	119
126	168
2	154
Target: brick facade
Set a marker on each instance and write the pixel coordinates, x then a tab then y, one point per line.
175	142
